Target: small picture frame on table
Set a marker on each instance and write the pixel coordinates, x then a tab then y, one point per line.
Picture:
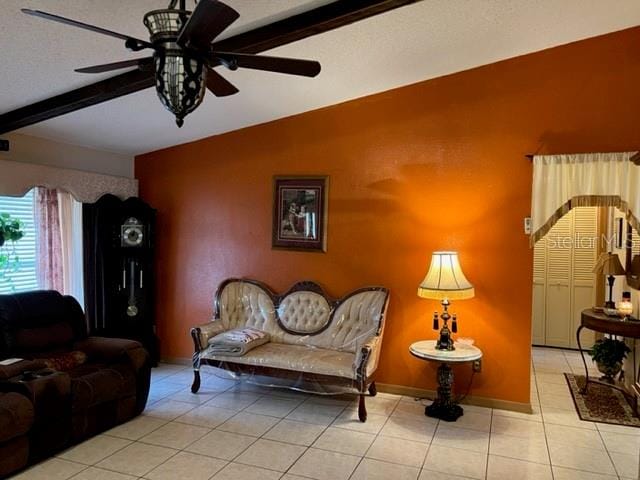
300	213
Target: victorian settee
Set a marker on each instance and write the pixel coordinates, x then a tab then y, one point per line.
316	343
94	383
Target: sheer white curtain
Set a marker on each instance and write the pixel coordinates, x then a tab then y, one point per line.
562	182
58	219
72	253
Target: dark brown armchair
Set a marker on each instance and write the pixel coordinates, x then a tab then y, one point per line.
108	386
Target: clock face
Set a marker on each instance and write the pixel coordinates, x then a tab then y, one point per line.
132	236
132	233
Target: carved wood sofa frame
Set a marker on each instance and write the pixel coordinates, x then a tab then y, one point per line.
365	384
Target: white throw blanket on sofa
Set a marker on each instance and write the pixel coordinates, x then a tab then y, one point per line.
237	342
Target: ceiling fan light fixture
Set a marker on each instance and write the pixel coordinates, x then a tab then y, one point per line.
180	83
180	77
184	58
165	24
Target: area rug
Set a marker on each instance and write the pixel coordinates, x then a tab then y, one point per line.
601	404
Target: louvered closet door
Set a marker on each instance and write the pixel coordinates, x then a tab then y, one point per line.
558	294
585	228
563	282
539	288
635	243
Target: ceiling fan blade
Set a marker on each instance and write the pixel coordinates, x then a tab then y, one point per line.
218	85
86	26
141	63
207	21
291	66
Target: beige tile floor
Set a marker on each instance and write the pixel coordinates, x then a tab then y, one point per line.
234	431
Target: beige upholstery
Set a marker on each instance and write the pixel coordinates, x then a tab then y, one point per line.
372	344
304	312
355	320
299	359
208	330
309	333
244	304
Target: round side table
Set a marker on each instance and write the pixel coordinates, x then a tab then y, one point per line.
444	406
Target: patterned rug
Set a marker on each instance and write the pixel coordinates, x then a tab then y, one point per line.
601	404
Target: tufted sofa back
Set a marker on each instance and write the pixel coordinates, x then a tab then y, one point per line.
241	303
304	315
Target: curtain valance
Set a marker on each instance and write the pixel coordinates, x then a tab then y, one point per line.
562	182
17	178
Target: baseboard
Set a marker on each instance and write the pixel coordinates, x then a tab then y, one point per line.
414	392
470	399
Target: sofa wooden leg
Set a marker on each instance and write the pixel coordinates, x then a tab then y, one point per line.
362	410
373	391
195	386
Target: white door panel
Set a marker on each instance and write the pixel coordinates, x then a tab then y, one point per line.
563	279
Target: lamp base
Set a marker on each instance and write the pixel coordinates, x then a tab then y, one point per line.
609	304
445	342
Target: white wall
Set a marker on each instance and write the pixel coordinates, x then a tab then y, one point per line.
25	148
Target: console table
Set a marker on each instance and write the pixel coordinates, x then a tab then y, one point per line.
600	322
444	406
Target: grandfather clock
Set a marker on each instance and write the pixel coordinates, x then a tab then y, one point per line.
119	277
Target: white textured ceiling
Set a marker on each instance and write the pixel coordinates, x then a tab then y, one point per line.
413	43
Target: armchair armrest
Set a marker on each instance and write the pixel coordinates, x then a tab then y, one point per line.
202	333
114	349
367	356
8	371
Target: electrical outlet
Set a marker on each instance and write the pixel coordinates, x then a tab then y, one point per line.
527	225
477	366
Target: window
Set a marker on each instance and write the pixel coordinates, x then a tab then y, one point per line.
25	277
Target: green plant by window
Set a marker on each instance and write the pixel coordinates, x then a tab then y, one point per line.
11	230
609	351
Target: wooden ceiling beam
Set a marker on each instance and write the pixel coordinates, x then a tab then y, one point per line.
77	99
283	32
307	24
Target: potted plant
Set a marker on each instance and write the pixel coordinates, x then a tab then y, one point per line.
10	229
608	354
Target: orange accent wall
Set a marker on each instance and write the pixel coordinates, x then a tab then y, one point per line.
435	165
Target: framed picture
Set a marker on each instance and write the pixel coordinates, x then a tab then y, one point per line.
300	213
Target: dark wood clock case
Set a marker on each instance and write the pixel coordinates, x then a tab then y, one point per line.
118	270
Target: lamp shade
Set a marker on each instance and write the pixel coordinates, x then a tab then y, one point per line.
609	264
445	279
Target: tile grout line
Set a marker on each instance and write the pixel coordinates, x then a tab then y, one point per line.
544	425
177	451
364	455
486	471
615	469
308	400
307	447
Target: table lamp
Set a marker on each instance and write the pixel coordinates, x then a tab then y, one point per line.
609	264
445	281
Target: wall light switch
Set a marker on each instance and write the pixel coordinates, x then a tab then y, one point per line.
527	225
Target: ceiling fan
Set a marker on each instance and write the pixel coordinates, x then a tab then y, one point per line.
184	58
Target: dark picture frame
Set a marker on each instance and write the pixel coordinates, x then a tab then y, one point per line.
300	213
